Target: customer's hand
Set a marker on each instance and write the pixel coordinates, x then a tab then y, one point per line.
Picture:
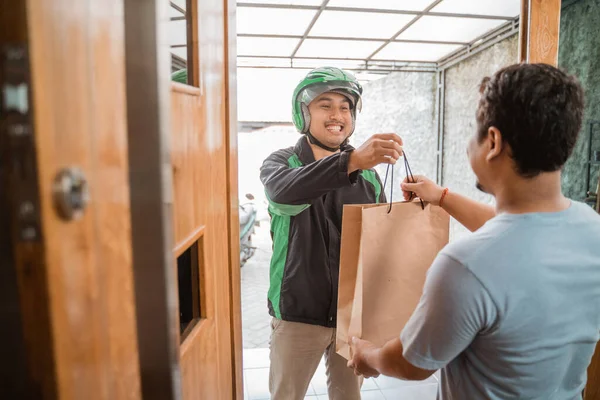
424	188
359	350
379	149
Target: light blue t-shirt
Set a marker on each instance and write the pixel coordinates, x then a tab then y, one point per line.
513	310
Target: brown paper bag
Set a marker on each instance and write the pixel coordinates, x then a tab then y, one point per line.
383	262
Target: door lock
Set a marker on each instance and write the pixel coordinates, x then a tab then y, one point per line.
71	193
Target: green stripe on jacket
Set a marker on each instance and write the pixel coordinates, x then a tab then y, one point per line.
371	177
280	227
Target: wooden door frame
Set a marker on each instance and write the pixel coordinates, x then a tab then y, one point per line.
148	116
14	376
15	380
233	214
539	31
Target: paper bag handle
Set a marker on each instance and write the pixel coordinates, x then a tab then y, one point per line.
410	180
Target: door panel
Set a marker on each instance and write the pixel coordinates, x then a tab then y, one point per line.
202	156
200	206
147	66
75	276
230	102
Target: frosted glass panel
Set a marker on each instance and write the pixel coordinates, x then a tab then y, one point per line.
407	5
368	77
344	64
273	20
508	8
265	46
265	62
285	2
181	52
451	29
375	26
359	24
177	32
415	51
337	48
174	13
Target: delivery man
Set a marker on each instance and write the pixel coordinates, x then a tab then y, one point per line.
511	311
307	186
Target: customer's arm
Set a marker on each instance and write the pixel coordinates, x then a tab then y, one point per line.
370	361
468	212
454	308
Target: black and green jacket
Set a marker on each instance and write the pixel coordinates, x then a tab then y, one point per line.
306	199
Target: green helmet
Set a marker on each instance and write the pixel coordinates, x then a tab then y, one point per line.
319	81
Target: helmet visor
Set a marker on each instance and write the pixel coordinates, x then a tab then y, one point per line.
348	89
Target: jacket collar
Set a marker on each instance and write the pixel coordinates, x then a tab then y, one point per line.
305	152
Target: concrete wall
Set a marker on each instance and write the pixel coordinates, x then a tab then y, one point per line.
462	95
579	54
404	103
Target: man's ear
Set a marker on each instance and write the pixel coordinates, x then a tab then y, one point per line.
495	143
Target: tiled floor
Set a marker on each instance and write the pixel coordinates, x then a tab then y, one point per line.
256	383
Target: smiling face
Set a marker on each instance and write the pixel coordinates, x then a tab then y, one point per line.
330	119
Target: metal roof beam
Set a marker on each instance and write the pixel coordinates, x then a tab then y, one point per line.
415	19
312	23
380	71
372	10
175	6
433	63
487	40
357	39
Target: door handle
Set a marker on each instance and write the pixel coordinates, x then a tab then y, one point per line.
70	193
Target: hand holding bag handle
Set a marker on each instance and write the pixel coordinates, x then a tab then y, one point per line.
410	180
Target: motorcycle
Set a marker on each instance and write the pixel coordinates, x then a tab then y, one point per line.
248	223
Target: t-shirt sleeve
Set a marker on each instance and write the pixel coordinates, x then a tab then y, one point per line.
454	308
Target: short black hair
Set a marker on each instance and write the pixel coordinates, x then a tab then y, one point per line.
538	109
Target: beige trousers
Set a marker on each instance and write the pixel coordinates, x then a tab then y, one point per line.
296	350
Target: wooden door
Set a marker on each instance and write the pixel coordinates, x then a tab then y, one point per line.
149	172
68	263
205	214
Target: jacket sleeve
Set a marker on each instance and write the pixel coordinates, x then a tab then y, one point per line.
292	190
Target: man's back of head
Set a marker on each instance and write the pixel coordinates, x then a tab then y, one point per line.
528	120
